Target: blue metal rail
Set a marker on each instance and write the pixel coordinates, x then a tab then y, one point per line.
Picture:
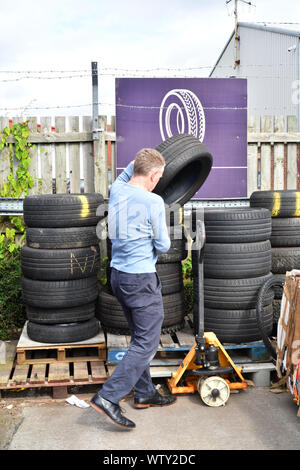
11	206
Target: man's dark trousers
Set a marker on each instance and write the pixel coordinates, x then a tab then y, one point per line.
141	300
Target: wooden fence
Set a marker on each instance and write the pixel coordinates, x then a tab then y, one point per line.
66	158
273	153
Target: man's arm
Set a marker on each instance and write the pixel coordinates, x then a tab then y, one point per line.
126	174
161	239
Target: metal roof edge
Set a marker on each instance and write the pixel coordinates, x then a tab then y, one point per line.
288	32
270	29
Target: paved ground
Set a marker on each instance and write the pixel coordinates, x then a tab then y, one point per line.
252	419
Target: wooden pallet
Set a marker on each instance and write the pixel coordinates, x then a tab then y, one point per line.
55	374
32	352
173	347
54	366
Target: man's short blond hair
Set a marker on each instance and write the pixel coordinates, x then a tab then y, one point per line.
147	160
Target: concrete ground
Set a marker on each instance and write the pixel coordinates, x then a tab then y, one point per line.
255	418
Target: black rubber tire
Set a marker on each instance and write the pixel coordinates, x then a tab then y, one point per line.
59	294
285	231
177	252
278	290
113	320
235	260
237	326
281	203
188	163
61	238
235	225
63	332
265	287
285	259
62	210
60	315
233	294
276	310
60	265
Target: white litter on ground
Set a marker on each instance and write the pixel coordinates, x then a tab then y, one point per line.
73	400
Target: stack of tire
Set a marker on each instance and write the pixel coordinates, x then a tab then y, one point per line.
188	163
169	270
284	206
59	265
237	261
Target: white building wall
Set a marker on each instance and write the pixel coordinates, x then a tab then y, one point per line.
270	69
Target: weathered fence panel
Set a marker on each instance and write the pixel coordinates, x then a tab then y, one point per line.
66	159
274	144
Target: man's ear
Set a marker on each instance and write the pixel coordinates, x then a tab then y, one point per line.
153	174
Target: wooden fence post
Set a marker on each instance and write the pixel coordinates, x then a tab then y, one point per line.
74	150
266	126
34	155
101	183
4	156
46	158
292	166
60	158
88	158
253	126
279	127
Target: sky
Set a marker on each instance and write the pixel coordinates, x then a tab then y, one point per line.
59	40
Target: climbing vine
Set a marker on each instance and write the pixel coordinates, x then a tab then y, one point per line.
18	182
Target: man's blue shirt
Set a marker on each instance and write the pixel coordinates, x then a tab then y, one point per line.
136	225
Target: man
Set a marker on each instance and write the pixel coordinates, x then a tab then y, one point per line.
138	231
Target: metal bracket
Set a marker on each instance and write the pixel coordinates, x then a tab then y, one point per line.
11	206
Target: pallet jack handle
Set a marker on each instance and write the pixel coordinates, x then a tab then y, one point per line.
200	358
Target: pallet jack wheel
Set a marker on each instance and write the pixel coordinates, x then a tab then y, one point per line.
214	391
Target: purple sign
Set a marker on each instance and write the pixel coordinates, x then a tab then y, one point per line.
149	110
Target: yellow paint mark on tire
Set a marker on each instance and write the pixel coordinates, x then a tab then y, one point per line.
297	208
85	208
276	204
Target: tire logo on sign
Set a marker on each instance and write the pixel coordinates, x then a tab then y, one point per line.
181	112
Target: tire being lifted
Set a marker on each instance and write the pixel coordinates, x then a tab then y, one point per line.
188	163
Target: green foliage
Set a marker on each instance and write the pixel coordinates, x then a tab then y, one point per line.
12	309
187	270
17	183
21	181
187	274
102	277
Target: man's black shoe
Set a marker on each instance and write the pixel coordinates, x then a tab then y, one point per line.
155	400
112	411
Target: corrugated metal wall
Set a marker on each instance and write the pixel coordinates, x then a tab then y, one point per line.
269	68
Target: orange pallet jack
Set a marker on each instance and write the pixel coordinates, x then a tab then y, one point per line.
207	368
